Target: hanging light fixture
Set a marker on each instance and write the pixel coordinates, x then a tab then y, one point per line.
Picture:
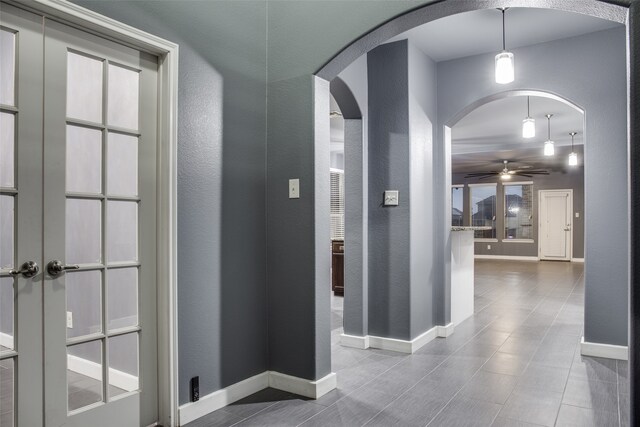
573	157
549	149
528	124
504	60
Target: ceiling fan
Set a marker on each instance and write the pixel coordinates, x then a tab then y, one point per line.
506	174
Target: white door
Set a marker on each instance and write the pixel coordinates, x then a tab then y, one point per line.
82	207
555	232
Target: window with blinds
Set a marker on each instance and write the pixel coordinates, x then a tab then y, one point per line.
337	204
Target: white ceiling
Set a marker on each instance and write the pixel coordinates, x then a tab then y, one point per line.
492	133
477	32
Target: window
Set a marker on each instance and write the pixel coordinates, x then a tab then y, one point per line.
457	205
483	209
518	211
337	204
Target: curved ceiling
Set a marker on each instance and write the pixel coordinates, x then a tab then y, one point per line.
480	31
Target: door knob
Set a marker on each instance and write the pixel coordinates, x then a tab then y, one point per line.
28	269
55	267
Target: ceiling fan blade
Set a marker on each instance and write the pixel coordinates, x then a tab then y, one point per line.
524	174
485	177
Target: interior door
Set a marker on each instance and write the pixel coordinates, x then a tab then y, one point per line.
555	231
21	100
82	205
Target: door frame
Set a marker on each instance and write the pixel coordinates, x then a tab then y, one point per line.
540	195
166	255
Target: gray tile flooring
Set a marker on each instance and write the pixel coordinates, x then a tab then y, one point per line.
516	362
82	391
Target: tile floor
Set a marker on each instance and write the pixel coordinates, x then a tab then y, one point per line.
516	362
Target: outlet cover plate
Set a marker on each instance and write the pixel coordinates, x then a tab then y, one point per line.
391	198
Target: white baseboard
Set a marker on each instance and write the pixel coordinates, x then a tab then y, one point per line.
577	260
6	340
301	386
93	370
608	351
445	331
219	399
508	257
354	341
392	344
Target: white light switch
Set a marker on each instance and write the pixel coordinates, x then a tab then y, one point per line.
577	214
391	198
69	319
294	188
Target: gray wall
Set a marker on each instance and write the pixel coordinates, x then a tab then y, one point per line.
573	179
401	107
222	315
590	71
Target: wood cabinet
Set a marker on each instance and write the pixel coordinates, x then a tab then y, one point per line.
337	267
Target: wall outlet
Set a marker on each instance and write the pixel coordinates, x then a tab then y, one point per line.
69	319
577	214
294	188
195	389
488	246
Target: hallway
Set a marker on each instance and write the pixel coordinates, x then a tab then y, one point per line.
515	362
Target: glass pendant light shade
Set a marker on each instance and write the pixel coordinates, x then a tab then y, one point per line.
573	157
528	128
549	149
505	67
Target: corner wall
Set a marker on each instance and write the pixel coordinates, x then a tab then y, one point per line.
597	83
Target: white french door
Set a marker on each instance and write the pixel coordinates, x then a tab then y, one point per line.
78	198
555	231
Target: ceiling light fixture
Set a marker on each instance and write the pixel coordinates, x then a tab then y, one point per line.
548	145
573	157
528	124
504	60
505	175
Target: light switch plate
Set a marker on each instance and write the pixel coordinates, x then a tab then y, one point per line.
391	198
294	188
69	319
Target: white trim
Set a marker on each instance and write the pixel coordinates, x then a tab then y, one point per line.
518	241
167	53
506	184
484	184
609	351
219	399
93	370
508	257
6	340
445	331
301	386
483	240
354	341
404	346
577	260
392	344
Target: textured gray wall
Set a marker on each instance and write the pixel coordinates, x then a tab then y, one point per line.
590	71
389	227
401	82
573	179
221	174
356	267
422	116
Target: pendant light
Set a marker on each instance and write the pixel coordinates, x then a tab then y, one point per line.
573	157
504	60
548	145
528	124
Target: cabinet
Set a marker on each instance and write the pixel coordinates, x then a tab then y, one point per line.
337	267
